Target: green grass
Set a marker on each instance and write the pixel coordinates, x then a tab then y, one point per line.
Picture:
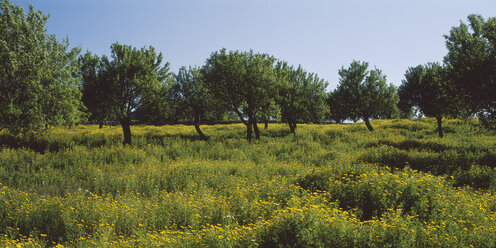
326	186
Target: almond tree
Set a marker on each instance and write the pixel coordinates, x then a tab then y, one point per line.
38	74
302	96
189	93
366	93
133	76
471	61
427	88
243	81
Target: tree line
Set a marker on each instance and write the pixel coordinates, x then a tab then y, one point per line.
43	82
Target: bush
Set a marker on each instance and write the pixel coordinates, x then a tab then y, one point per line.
318	181
47	222
479	177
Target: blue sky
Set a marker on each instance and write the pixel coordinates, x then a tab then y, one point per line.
320	35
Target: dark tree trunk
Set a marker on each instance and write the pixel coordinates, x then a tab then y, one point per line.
197	127
126	129
101	125
249	129
367	123
291	126
255	127
439	120
266	125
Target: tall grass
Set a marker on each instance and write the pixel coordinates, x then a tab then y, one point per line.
326	186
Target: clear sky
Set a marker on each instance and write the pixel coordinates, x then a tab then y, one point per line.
321	35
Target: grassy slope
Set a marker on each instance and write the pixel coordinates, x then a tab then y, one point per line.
326	186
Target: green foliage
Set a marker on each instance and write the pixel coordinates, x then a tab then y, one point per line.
302	96
318	188
134	75
193	100
96	91
132	79
38	82
470	59
47	219
190	94
365	93
243	81
428	89
479	177
338	108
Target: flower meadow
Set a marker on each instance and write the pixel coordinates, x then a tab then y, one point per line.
328	185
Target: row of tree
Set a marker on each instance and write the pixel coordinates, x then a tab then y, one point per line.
43	82
465	85
252	87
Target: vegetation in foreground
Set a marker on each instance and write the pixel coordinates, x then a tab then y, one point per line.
325	186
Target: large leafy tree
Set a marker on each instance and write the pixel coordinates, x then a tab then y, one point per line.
95	88
366	93
134	75
471	59
244	81
38	74
190	94
302	96
428	89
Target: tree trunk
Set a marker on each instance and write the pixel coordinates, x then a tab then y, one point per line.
255	127
266	125
197	127
439	126
248	129
101	125
291	127
367	123
126	129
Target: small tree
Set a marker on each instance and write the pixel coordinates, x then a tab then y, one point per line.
301	97
134	76
428	88
191	95
366	93
244	81
38	75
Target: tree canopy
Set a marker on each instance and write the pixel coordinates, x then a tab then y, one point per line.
95	88
301	97
366	93
427	88
244	81
190	94
38	74
338	109
471	58
125	83
43	82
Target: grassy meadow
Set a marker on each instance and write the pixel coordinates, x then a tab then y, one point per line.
327	186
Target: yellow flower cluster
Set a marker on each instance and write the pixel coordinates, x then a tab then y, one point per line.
326	186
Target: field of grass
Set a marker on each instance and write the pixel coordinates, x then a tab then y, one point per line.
326	186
